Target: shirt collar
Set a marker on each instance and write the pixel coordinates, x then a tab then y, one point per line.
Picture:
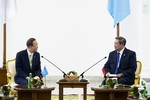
121	52
29	53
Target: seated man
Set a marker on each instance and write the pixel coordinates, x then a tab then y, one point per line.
122	62
27	61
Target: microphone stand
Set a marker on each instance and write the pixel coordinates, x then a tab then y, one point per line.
64	74
84	80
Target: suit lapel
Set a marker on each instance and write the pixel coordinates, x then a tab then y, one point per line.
123	56
115	60
27	59
33	60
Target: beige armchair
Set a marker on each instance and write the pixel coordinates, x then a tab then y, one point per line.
138	73
11	71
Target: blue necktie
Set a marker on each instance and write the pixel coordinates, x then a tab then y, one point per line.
117	63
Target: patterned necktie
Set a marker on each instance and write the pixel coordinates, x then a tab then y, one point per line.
30	60
117	62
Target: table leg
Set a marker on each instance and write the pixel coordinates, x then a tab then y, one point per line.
84	93
50	96
34	96
111	96
18	96
60	92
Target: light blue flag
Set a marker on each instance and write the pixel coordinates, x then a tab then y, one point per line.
118	9
44	72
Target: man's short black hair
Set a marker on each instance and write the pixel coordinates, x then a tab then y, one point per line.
30	42
122	40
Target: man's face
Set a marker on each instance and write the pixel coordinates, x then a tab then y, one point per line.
117	45
35	46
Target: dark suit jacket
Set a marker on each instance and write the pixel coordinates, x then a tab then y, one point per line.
127	65
23	66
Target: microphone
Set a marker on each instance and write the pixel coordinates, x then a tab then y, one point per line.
84	80
61	80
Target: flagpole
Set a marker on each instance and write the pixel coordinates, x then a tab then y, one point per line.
118	30
4	37
3	72
4	46
45	82
7	6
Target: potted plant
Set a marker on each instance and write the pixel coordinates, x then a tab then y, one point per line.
37	82
6	89
110	82
133	92
138	91
72	76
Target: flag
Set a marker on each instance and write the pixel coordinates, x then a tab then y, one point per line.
103	70
8	9
118	9
44	72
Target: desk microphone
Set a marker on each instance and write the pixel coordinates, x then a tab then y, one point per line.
61	80
84	80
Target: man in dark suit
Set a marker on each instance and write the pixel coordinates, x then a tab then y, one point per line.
122	62
27	61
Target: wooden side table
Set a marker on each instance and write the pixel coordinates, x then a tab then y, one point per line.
72	85
23	93
110	94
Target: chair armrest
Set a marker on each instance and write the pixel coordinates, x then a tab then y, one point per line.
9	75
137	77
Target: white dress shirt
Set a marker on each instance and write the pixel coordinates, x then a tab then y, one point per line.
30	56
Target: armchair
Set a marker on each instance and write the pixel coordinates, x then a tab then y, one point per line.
138	73
11	71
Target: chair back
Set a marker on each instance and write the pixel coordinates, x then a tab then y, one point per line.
139	68
138	73
11	71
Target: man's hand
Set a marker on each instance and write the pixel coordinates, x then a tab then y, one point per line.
108	73
27	78
36	77
119	75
